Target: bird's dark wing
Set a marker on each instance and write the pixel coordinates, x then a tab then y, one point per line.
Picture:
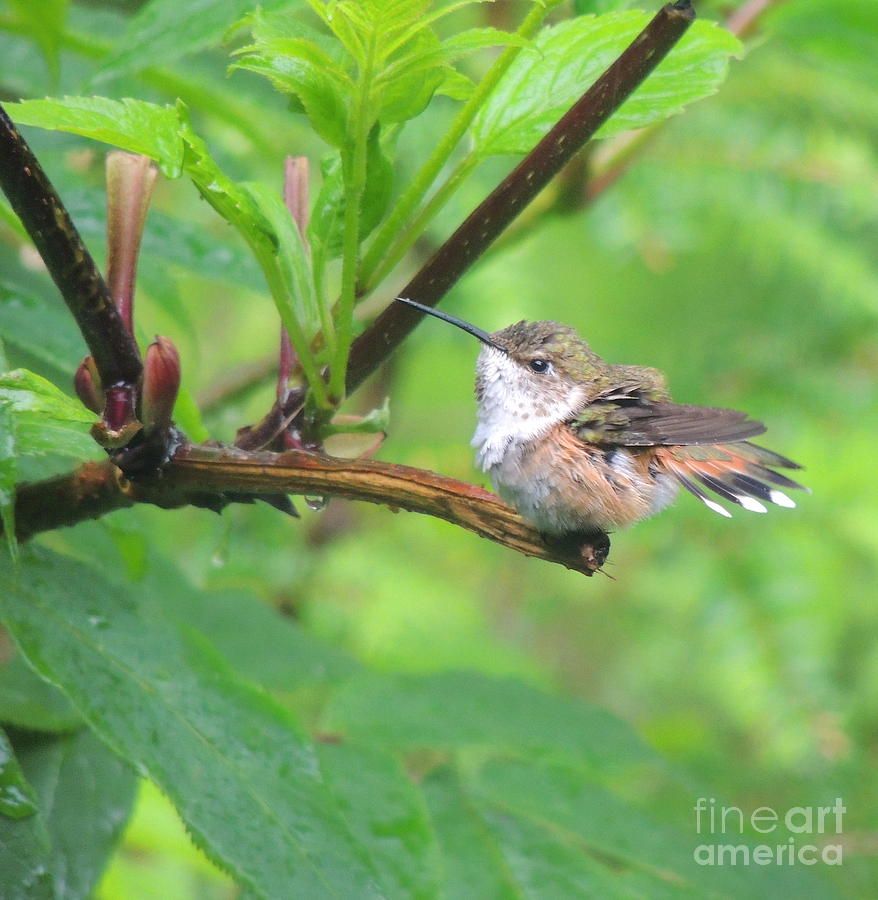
633	421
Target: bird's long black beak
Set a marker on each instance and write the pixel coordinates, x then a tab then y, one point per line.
483	336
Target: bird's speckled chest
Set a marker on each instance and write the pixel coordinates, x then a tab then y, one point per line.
562	485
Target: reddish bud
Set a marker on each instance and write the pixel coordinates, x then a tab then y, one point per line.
87	383
130	180
161	382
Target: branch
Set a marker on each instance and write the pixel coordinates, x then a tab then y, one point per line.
213	476
485	224
614	157
70	264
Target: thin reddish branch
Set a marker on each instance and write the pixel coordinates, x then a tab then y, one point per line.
744	20
296	201
212	476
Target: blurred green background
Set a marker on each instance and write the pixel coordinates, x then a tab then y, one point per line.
738	255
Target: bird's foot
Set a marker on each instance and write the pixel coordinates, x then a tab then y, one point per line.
593	547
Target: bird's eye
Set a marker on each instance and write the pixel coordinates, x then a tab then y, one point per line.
540	366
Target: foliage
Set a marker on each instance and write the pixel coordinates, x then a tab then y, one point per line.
379	67
363	704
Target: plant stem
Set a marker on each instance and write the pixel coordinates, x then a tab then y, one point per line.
268	263
354	167
491	218
296	201
417	190
71	266
296	171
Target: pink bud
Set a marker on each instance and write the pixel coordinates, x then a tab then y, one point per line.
161	382
87	383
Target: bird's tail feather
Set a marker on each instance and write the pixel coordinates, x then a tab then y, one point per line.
741	473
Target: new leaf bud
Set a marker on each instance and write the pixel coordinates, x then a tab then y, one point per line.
87	383
161	382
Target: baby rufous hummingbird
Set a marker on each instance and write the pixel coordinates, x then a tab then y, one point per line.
580	446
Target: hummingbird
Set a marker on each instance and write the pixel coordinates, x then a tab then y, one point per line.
580	446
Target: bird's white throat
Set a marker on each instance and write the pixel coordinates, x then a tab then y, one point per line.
512	411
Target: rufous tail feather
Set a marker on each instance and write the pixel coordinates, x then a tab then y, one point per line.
740	473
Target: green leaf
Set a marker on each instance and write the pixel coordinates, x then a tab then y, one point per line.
170	31
301	62
11	220
532	809
8	474
16	795
386	813
245	780
133	125
229	199
489	852
29	702
478	711
566	59
85	794
522	829
456	85
294	263
408	84
546	864
472	862
465	42
24	871
389	48
46	420
40	325
271	650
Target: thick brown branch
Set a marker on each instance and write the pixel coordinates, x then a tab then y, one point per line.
488	221
70	264
208	476
93	490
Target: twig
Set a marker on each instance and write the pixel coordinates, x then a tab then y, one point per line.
499	209
70	264
210	476
744	19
